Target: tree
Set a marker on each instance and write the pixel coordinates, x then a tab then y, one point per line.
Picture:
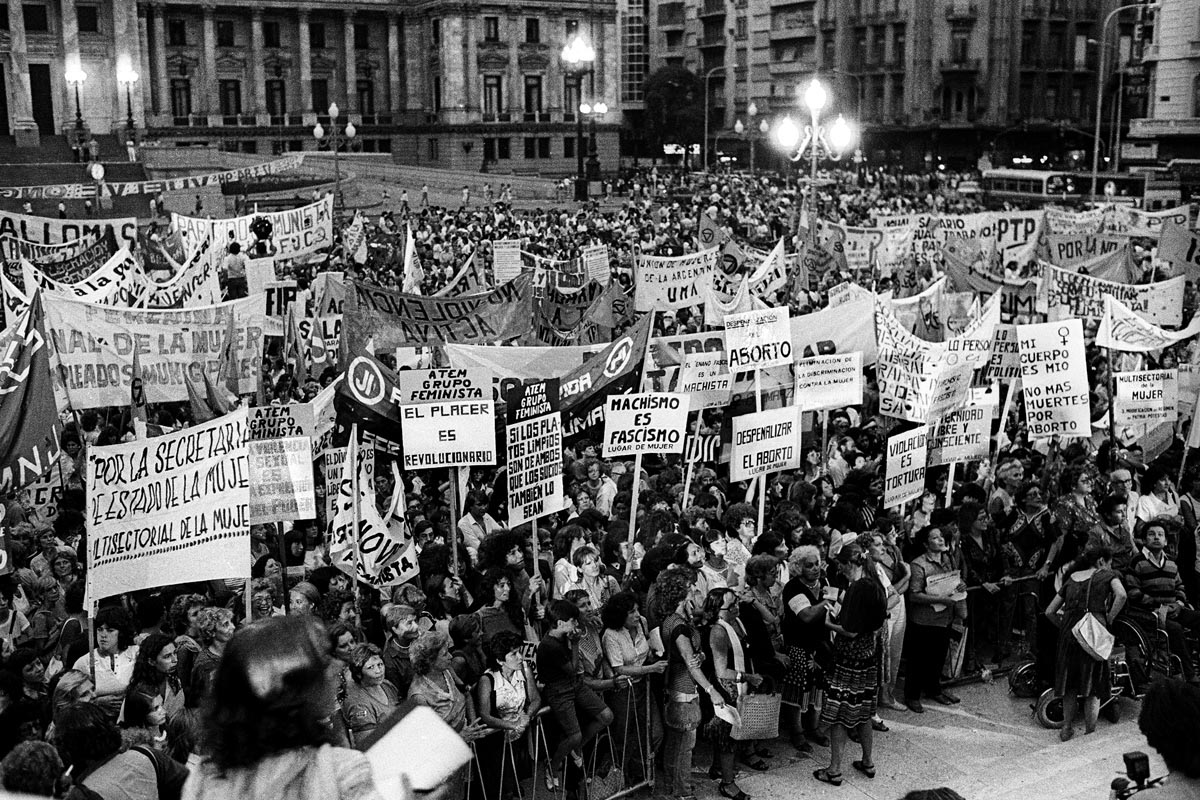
674	101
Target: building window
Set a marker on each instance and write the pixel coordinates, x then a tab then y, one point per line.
436	32
568	147
437	93
1196	97
878	45
533	30
531	148
1051	103
88	18
533	94
739	27
491	29
230	92
320	95
181	97
829	52
271	33
960	43
362	36
493	96
898	96
633	57
176	33
571	97
433	150
276	97
225	36
36	18
572	27
502	149
489	149
1081	51
366	96
898	44
316	35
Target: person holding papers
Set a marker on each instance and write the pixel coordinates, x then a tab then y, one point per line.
936	597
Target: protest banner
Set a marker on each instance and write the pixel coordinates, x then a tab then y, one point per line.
95	344
30	429
280	234
282	421
965	433
279	295
717	307
119	282
515	366
196	283
535	456
1138	222
172	509
446	416
951	387
506	260
595	263
847	292
850	328
1071	295
1063	221
81	264
40	497
260	273
670	282
14	248
281	480
907	454
825	382
1004	362
1054	381
765	441
1180	246
393	319
706	379
44	230
758	339
1082	250
653	422
1122	329
1146	397
859	246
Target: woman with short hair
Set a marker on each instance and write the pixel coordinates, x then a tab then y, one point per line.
114	657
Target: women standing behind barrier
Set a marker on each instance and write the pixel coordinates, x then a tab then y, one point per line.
507	698
637	723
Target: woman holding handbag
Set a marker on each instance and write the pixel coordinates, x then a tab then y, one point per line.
727	667
853	683
1091	587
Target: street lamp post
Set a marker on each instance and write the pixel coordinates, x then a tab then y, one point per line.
593	113
578	56
751	113
75	77
127	78
1100	88
704	150
335	138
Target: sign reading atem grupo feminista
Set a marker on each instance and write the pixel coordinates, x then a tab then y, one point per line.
535	457
653	422
765	441
758	339
446	417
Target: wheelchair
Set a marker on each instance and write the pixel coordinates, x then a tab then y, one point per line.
1139	657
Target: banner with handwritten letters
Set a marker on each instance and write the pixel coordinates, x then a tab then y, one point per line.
919	230
506	260
447	417
1146	397
287	234
860	246
1004	363
907	454
1008	236
595	263
94	348
758	339
44	230
965	433
281	480
535	456
1082	251
81	191
826	382
1072	295
172	509
652	422
394	319
1149	224
119	282
671	282
13	248
765	441
1054	382
196	284
705	378
1064	221
1122	329
847	292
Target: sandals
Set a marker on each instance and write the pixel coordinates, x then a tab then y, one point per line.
757	764
865	769
879	725
724	791
825	776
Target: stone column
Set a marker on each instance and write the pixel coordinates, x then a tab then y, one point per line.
393	54
20	102
473	84
349	65
146	81
306	99
516	84
554	74
158	59
129	51
71	60
209	102
258	90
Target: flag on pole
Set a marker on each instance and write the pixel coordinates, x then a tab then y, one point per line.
137	398
354	239
413	274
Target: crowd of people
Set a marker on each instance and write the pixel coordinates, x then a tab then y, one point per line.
636	638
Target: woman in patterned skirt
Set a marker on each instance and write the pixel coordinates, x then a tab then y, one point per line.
805	635
853	683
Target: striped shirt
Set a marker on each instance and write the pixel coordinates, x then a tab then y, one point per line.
1152	583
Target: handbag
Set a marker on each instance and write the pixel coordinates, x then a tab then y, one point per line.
1090	632
602	787
758	713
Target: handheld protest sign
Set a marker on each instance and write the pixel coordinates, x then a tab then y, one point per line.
653	422
446	418
765	441
535	462
758	339
906	456
1054	382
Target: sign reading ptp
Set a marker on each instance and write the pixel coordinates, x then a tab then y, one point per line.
653	422
758	339
446	417
1054	379
765	441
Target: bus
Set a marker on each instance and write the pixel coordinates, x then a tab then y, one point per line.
1039	187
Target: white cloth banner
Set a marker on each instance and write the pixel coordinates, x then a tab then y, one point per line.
44	230
172	509
506	260
281	480
595	263
671	282
1054	380
120	282
294	232
196	284
1122	329
1136	222
92	347
1070	295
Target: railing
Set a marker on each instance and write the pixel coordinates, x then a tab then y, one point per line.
959	64
962	11
711	41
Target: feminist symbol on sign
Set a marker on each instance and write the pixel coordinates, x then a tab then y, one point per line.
1065	333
